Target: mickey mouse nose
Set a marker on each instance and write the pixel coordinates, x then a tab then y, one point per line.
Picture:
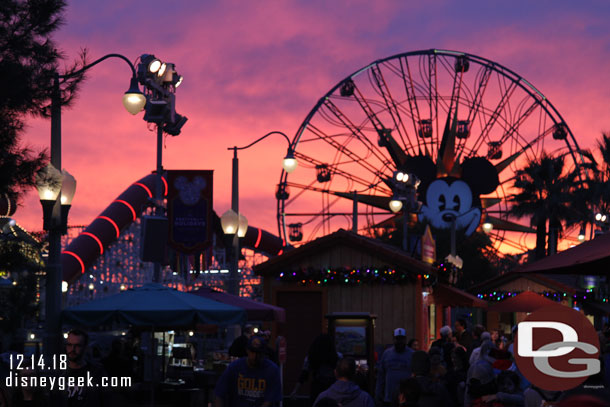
448	217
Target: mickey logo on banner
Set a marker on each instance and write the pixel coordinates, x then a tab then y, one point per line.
190	192
189	210
454	196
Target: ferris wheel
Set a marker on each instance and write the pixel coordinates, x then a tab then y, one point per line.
456	125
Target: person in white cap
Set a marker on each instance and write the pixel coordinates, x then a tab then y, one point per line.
446	345
476	352
393	366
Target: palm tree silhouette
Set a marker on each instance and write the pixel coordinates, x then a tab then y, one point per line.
597	195
546	194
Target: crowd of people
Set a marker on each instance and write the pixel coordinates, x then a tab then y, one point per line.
462	368
474	367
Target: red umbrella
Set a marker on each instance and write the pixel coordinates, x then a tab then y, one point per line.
527	301
256	311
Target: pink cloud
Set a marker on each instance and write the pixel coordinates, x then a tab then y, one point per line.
253	67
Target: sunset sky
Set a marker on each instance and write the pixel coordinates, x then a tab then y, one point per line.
253	67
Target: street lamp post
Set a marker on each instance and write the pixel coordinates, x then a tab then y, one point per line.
134	101
405	198
455	260
233	220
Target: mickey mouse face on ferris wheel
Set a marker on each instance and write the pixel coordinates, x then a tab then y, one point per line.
455	197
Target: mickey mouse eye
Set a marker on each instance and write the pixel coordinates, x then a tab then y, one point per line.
442	202
456	203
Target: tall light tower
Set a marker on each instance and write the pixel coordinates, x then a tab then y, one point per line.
160	81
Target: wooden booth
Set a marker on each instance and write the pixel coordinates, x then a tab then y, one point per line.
344	272
582	292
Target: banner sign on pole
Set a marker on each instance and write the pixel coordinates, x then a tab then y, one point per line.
189	210
428	247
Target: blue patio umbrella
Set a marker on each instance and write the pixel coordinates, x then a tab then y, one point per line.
152	305
257	311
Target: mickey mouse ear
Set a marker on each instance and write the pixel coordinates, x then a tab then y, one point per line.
180	182
422	166
480	174
199	182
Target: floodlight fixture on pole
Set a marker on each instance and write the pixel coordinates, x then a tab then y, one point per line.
160	81
401	176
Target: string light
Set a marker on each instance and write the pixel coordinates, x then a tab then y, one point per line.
352	276
553	295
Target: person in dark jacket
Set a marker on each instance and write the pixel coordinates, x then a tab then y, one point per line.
394	365
477	339
319	364
432	394
27	396
80	395
445	337
463	337
408	393
327	402
446	345
251	381
480	379
344	390
239	346
456	378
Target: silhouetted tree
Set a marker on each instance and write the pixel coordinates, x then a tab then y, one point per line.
545	193
29	60
597	197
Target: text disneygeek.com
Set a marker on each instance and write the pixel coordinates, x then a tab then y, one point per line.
65	382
